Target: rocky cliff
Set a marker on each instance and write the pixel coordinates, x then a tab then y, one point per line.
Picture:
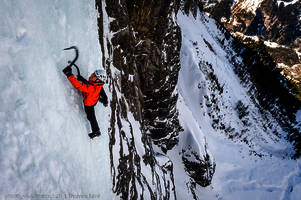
273	21
141	42
268	38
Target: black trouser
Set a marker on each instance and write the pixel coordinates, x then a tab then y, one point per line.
91	117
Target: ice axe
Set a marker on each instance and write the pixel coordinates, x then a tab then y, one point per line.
72	63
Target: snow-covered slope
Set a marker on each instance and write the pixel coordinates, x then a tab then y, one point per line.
251	161
44	146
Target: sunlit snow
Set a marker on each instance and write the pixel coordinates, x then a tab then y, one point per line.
287	2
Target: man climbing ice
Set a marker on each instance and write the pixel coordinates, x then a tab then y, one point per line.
92	91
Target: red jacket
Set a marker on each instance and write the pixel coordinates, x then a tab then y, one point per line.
90	90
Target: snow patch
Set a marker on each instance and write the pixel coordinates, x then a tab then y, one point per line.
288	2
298	116
271	44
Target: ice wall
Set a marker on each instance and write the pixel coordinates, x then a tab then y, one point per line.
44	147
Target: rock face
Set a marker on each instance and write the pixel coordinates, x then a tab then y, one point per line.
199	169
269	21
141	42
277	21
134	63
271	90
147	49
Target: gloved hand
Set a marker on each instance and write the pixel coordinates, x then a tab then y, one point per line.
68	71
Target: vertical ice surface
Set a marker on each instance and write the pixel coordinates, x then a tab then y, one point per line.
44	147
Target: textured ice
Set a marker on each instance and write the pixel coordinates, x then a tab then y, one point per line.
44	147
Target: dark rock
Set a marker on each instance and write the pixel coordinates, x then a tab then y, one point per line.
201	170
141	55
274	22
142	63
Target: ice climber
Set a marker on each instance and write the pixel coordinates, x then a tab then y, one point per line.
92	92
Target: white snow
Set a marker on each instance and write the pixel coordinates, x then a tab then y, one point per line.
298	116
239	175
271	44
282	65
297	52
286	3
44	144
